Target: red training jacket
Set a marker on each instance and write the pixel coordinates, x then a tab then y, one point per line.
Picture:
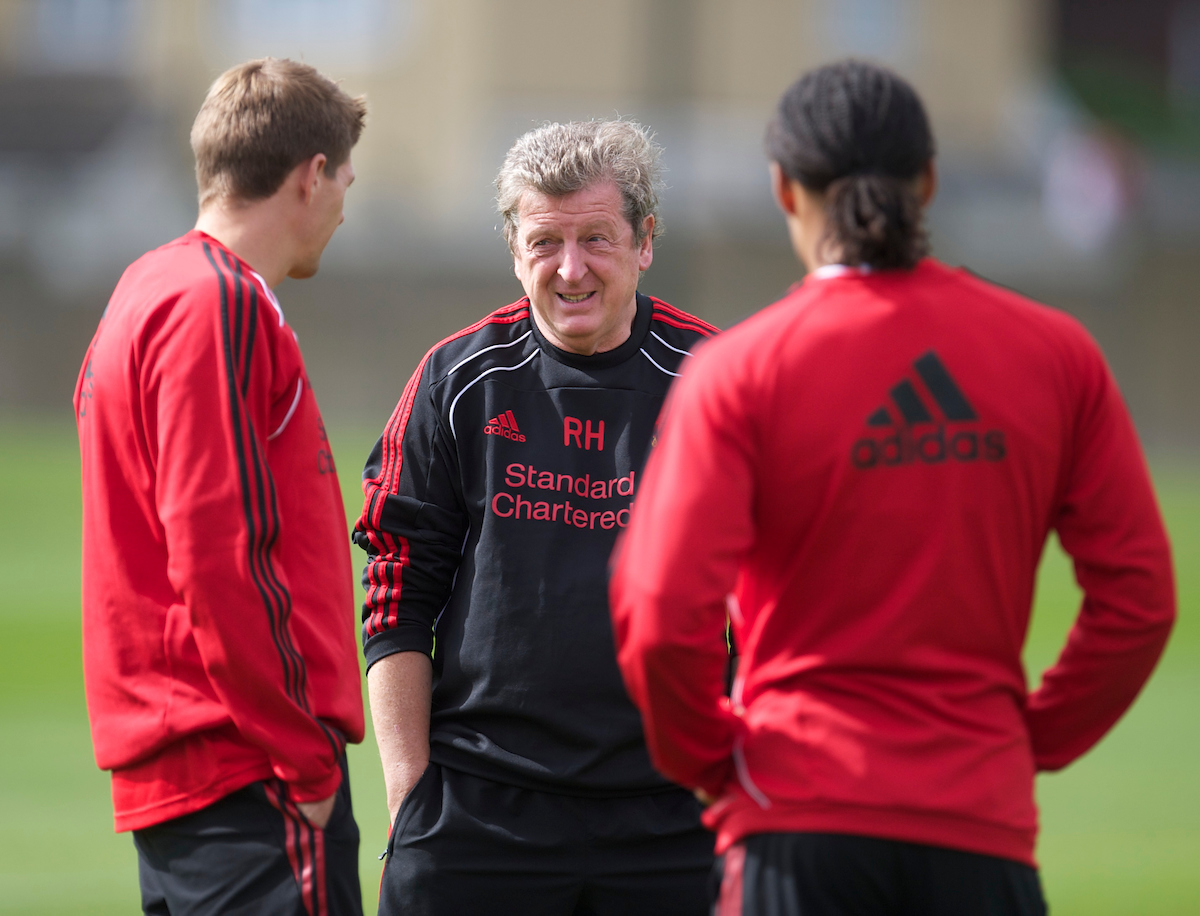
871	467
218	611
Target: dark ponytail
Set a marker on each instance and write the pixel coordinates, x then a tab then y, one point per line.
858	134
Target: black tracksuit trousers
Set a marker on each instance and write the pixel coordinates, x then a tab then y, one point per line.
826	874
464	845
253	853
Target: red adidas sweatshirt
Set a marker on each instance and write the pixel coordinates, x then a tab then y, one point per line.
869	469
219	642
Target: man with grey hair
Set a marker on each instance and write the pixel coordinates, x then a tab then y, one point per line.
517	777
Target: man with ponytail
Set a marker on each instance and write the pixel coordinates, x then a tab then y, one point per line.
887	449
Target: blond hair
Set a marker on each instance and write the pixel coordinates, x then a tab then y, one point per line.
261	119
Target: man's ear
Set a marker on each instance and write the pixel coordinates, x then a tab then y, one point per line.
646	246
782	188
311	174
927	183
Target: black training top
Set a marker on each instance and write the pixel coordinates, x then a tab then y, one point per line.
493	500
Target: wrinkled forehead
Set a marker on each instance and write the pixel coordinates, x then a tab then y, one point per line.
598	203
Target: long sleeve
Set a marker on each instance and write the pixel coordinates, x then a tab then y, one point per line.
1108	522
212	399
412	527
676	565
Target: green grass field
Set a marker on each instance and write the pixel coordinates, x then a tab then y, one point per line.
1119	826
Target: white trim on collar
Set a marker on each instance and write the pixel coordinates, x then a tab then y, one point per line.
270	296
829	271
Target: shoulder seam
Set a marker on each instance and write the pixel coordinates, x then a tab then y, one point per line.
500	346
656	364
391	459
509	314
485	372
654	334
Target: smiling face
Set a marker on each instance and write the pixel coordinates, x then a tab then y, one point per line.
579	260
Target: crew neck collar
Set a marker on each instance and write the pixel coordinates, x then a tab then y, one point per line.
637	336
829	271
833	271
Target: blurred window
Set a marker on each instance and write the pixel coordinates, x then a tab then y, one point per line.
71	88
881	29
346	34
74	36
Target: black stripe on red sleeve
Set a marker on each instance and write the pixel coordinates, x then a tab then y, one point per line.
295	674
259	503
391	455
269	600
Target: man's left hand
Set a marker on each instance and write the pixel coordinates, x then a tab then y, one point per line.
318	813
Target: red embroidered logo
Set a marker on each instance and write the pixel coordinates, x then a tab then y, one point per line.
583	434
505	425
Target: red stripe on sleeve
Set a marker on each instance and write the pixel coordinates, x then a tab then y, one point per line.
700	324
698	329
391	458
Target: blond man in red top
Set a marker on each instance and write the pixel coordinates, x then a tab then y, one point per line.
218	620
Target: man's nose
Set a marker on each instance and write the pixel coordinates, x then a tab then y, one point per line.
572	268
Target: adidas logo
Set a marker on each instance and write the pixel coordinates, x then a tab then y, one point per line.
505	425
915	433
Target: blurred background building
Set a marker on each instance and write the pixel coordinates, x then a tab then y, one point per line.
1068	131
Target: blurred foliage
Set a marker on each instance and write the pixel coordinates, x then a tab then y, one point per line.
1136	101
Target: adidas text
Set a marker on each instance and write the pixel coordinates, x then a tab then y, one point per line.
504	424
904	447
493	429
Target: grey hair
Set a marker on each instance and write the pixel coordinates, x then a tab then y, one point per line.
558	159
